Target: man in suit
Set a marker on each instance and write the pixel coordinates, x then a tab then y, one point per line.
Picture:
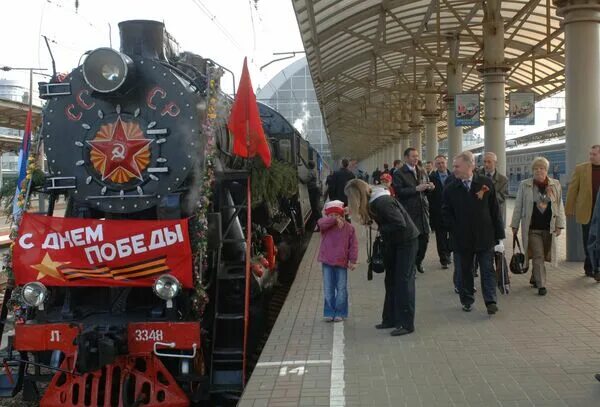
428	167
411	184
470	211
339	180
397	166
442	237
500	181
581	198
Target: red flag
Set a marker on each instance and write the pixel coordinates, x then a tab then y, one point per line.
245	124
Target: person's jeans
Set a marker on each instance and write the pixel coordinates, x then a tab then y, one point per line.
485	259
399	303
335	292
587	265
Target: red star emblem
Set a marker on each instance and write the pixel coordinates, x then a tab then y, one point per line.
119	152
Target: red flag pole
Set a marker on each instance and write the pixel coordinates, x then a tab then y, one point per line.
248	254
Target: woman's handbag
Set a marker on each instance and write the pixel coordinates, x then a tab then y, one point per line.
517	261
374	255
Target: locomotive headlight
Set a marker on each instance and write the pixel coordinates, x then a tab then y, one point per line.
34	294
167	287
106	70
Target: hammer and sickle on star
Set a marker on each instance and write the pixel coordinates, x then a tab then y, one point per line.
118	151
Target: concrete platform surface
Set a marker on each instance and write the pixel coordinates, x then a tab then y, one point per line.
537	351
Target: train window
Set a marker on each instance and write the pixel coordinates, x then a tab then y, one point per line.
285	148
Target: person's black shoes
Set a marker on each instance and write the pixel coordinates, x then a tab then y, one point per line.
491	308
420	268
597	376
597	276
444	266
401	331
542	291
466	307
383	326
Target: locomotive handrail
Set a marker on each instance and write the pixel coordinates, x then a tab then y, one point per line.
173	345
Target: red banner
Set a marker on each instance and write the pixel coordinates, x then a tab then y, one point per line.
92	252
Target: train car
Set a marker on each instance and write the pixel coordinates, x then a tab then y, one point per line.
521	151
137	296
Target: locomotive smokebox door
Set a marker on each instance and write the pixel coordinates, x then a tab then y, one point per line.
127	118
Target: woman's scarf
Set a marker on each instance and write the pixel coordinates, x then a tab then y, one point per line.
542	195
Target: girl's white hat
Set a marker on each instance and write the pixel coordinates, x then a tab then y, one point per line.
334	207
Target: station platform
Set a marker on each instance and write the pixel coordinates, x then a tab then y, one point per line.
537	351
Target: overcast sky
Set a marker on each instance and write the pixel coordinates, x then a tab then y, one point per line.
223	30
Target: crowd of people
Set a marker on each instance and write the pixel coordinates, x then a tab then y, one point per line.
465	209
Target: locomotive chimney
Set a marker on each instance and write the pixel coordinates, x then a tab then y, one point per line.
143	38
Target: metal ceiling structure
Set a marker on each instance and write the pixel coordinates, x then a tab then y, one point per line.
13	115
368	58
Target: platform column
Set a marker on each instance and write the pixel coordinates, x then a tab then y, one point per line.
454	78
581	20
494	77
416	140
390	154
404	128
430	117
398	149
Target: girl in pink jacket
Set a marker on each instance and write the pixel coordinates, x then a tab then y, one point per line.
338	253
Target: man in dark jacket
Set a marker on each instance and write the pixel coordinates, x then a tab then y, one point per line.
376	176
442	237
470	211
411	184
396	167
338	183
311	180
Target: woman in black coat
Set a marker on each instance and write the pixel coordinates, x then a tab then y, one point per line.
400	236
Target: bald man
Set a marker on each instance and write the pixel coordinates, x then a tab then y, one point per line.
500	181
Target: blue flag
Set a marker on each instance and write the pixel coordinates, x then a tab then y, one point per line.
22	166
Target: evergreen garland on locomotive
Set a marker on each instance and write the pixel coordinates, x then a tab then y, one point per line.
141	134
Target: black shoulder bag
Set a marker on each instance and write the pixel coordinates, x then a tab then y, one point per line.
374	255
517	261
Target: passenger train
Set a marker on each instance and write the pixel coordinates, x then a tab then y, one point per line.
137	295
521	151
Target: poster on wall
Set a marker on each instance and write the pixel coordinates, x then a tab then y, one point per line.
521	109
466	110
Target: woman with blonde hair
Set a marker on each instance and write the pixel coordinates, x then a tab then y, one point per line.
400	236
540	213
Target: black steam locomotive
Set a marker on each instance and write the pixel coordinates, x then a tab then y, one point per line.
137	296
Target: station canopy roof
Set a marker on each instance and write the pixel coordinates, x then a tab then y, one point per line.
13	115
368	56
